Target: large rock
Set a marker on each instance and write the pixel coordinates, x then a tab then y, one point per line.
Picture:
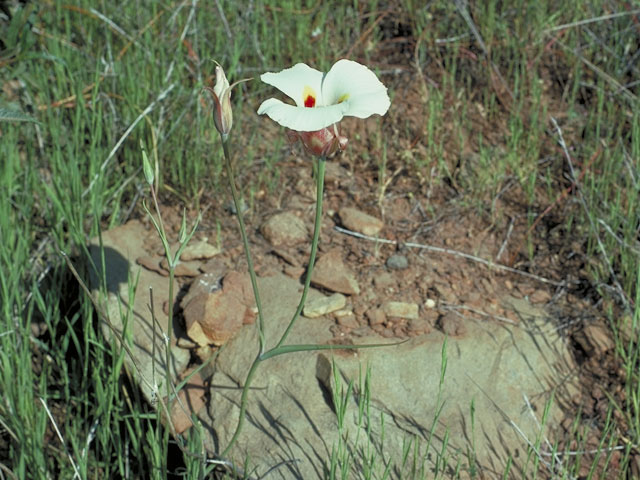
291	427
126	306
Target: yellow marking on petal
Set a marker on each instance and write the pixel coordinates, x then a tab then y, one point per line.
308	96
343	97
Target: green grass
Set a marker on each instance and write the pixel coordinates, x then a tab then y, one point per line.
99	79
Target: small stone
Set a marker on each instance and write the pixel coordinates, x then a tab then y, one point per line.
190	401
343	312
397	262
358	221
525	289
451	324
362	331
284	229
182	269
384	280
419	326
376	316
430	303
349	321
400	309
446	293
200	250
331	273
323	305
595	339
153	264
540	296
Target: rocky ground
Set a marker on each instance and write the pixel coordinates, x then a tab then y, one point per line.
518	327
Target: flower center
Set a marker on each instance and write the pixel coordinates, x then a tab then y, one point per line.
308	97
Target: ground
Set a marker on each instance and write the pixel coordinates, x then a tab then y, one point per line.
462	257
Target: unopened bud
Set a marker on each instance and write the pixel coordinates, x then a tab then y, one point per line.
324	143
222	113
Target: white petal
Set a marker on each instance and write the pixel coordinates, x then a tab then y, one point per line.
292	82
301	119
355	85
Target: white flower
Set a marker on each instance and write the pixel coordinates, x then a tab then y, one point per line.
348	89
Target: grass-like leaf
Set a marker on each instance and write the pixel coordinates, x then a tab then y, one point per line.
7	115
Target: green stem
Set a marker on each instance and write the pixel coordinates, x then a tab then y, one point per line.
245	243
243	404
314	247
168	355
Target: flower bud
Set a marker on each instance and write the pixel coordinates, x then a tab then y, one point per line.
326	142
222	113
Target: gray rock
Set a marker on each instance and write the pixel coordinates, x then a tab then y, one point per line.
498	367
122	246
397	262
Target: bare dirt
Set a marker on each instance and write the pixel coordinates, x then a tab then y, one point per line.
478	259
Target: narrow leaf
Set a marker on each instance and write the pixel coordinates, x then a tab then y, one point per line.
7	115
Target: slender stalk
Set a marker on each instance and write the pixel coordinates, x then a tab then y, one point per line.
168	356
243	404
245	242
314	247
168	334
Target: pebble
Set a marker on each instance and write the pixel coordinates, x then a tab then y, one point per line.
349	321
153	264
397	262
451	324
361	331
595	339
331	273
540	296
419	326
376	316
323	305
181	269
358	221
201	250
430	303
384	280
284	229
400	309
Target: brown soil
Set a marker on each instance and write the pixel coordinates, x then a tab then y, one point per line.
436	212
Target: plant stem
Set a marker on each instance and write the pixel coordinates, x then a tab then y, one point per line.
168	354
243	404
314	247
245	243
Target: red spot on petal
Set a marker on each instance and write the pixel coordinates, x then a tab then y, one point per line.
310	101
